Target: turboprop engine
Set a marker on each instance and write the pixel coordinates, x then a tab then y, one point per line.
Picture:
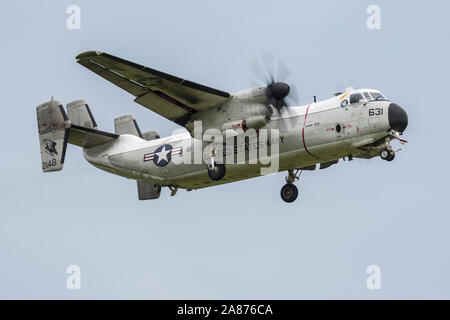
238	114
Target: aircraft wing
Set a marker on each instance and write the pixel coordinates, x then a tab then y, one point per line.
173	98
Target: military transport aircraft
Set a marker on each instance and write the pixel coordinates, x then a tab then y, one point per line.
352	124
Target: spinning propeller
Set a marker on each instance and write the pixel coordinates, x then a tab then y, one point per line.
272	73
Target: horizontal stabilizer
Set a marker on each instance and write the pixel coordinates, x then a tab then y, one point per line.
87	137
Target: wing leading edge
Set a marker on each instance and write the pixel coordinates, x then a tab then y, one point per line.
171	97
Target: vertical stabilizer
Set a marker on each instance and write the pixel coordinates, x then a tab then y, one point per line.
127	125
52	123
80	114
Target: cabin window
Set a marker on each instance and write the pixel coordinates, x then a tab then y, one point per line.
367	96
356	97
344	103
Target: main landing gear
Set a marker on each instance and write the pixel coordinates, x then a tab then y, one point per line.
289	191
216	171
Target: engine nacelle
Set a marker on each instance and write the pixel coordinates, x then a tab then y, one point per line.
235	127
264	95
248	109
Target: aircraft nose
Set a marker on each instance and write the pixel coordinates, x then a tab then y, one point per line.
398	119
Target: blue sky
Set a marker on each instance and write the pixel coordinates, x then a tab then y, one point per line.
237	240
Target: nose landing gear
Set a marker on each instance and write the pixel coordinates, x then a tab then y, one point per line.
387	154
289	191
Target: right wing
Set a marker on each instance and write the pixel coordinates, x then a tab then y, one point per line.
173	98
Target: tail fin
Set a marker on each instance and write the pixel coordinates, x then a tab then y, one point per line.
127	125
80	114
56	129
52	123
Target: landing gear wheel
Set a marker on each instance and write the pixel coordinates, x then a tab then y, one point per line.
289	192
387	154
391	156
218	172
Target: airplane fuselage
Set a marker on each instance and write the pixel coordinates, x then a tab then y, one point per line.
317	133
228	137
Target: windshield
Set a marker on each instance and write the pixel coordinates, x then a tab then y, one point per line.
377	96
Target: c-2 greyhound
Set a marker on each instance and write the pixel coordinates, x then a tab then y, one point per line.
352	124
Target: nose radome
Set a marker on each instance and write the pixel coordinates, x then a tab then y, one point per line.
398	119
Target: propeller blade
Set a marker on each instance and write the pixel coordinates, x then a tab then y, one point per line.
293	98
268	62
259	73
282	73
269	70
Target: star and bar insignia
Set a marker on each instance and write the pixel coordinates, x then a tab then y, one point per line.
162	155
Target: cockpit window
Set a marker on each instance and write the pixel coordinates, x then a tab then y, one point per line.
377	96
356	97
367	96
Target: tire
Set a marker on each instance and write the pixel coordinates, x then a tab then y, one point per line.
385	154
391	157
289	193
218	172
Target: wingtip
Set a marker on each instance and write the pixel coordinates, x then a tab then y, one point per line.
88	54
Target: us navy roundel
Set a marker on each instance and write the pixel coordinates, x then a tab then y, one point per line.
162	155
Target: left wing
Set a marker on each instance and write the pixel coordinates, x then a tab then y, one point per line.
171	97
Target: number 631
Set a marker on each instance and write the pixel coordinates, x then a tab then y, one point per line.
376	112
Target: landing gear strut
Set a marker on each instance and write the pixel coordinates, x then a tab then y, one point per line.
289	191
